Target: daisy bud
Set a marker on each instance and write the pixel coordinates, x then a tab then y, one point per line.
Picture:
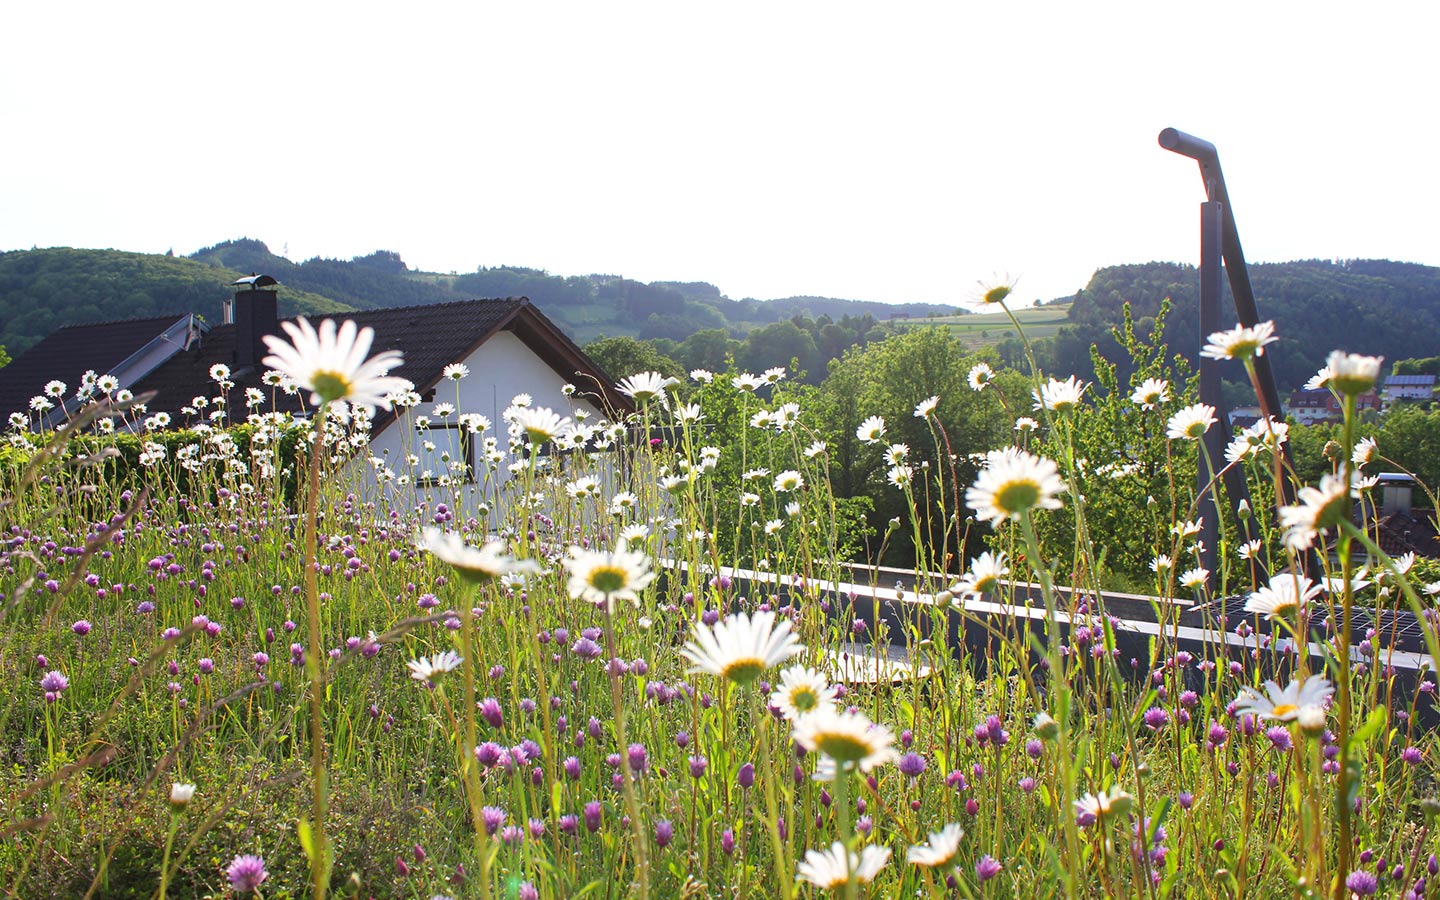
180	796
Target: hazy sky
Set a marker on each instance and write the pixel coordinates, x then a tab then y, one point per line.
888	151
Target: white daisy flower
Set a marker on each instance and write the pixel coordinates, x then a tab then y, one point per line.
1364	451
1319	380
1240	342
539	424
747	382
1025	423
476	564
788	481
832	868
1319	508
984	574
1060	396
1195	579
740	646
332	364
815	449
871	430
900	476
1284	705
601	577
1191	423
704	376
1286	596
643	387
925	407
1111	803
980	376
940	850
849	738
1151	393
774	376
1012	483
1353	373
456	371
425	669
802	690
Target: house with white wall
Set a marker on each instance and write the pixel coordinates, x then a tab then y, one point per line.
507	345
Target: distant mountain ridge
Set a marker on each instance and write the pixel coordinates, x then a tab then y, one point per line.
45	289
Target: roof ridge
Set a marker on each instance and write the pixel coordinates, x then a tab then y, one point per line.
164	317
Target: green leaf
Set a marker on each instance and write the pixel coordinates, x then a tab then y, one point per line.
1372	726
307	839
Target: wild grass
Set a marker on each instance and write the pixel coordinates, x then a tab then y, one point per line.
572	750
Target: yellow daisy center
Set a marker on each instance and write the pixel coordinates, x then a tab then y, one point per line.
843	747
1285	709
743	670
1017	496
804	699
608	579
330	385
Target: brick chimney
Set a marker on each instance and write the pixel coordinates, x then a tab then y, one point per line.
254	313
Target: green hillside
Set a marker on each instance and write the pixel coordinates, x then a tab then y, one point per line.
988	329
1379	307
42	290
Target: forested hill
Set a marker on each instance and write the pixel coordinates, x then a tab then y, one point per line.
586	306
1379	307
42	290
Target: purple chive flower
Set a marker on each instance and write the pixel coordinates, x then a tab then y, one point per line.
490	711
512	835
1156	718
912	764
972	807
639	759
1187	799
593	812
698	765
1034	748
1280	738
207	665
995	731
54	684
1027	784
569	824
571	765
246	873
586	649
1411	755
1362	883
746	776
987	868
727	842
81	627
493	818
664	833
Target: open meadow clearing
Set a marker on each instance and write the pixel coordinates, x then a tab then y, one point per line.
232	665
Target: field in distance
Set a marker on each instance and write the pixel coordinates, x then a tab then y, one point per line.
987	329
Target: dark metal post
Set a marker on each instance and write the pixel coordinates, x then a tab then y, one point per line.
1212	216
1204	153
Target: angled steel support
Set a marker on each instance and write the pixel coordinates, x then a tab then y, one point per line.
1204	153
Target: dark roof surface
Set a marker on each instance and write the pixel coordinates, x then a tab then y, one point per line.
69	352
1409	380
430	336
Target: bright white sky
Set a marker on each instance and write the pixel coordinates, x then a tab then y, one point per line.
886	151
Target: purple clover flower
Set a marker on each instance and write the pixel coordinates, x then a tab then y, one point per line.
246	873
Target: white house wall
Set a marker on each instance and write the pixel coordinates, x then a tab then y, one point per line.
501	368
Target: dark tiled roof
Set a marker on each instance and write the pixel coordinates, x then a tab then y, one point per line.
1410	381
69	352
430	336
